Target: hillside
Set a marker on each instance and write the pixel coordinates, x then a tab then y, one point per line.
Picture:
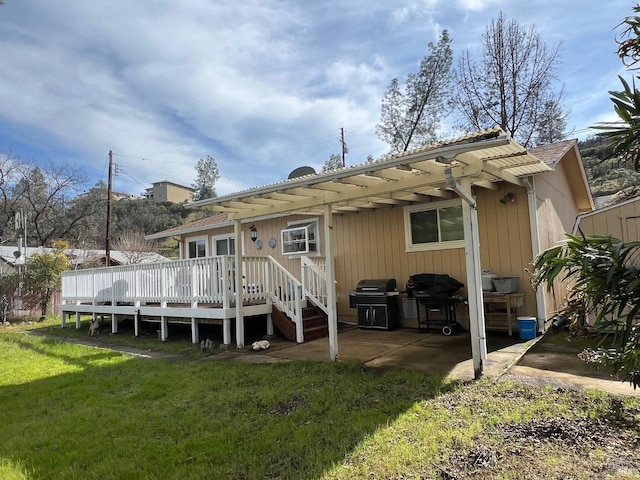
610	178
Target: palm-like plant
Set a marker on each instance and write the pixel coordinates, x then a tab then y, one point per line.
625	133
605	277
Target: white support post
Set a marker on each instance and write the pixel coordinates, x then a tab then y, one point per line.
269	325
541	301
163	328
63	318
226	331
195	334
136	319
78	320
239	297
474	280
331	284
114	323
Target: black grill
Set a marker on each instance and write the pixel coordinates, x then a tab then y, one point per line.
436	285
376	301
437	293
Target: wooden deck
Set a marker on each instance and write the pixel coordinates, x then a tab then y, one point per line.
195	291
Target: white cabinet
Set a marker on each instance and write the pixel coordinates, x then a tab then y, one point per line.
300	239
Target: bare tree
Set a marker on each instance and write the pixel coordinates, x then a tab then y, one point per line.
135	247
41	194
411	118
512	83
45	193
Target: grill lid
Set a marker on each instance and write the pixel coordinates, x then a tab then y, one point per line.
376	285
434	284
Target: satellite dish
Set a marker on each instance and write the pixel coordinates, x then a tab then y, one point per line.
17	253
301	172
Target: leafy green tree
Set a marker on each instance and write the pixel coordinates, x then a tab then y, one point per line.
42	272
605	274
207	176
410	117
512	84
625	132
148	217
334	163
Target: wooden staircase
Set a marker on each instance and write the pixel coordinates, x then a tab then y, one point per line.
314	323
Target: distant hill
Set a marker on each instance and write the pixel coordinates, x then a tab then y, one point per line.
611	180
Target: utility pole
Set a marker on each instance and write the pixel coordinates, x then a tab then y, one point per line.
345	150
109	192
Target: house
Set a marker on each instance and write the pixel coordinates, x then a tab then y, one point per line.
478	202
13	257
621	220
166	191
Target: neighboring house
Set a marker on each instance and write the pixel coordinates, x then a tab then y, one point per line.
621	221
167	191
79	258
477	202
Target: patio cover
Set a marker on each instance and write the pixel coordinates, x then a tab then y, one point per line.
478	159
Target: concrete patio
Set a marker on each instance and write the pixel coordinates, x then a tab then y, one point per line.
535	360
428	351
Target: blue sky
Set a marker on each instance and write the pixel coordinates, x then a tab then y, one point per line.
263	86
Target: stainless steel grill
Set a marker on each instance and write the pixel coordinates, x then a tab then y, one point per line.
376	301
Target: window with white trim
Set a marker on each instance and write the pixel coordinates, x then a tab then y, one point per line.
300	238
224	245
196	247
434	226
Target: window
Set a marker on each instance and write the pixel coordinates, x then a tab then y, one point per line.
197	247
300	238
434	227
224	245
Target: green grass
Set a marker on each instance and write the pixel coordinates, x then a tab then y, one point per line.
75	412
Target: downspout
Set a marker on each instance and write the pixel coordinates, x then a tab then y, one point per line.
541	301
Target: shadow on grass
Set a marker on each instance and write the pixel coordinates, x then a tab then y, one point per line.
149	418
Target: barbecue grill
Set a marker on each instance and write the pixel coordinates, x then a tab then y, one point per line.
376	301
437	293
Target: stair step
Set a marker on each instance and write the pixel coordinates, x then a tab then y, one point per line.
316	321
315	332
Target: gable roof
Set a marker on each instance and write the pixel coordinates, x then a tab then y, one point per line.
568	153
482	157
218	220
552	153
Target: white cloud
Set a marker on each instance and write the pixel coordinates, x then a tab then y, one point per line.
263	85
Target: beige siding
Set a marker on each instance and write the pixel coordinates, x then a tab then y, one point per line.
621	221
371	244
557	211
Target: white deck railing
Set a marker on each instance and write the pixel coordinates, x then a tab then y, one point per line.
197	282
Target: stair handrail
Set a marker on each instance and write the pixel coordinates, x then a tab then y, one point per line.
285	291
314	281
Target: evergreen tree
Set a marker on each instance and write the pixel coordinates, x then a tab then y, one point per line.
207	176
411	118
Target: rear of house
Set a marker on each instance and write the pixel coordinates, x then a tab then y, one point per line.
479	202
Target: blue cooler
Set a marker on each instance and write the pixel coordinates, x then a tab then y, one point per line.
527	327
